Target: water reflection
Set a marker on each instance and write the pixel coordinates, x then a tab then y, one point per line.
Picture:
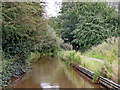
48	85
50	73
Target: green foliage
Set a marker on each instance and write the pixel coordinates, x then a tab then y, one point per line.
11	69
77	58
67	62
61	53
86	24
106	69
38	55
21	30
96	75
71	55
24	30
55	23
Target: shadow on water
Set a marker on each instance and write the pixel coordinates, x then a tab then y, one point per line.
51	73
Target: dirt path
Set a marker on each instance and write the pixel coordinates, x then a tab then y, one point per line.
99	60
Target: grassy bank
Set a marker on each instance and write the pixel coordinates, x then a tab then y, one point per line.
105	51
105	69
108	52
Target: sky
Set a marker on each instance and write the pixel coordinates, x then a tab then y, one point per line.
52	7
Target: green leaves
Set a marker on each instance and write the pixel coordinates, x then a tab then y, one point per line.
24	31
86	24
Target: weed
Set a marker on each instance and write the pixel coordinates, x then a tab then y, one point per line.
96	75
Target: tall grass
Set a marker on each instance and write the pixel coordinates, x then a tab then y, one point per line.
71	56
107	51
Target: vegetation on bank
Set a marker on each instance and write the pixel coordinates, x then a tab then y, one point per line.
25	34
108	51
92	29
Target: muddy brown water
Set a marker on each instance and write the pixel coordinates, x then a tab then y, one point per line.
52	73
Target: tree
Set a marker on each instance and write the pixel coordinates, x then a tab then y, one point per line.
21	28
86	24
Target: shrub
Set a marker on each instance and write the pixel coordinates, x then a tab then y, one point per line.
71	55
24	30
77	58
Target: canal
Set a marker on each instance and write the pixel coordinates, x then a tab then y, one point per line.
52	73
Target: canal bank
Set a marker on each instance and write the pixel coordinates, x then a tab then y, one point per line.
101	80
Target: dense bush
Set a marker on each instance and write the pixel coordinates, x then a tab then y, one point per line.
22	27
24	30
